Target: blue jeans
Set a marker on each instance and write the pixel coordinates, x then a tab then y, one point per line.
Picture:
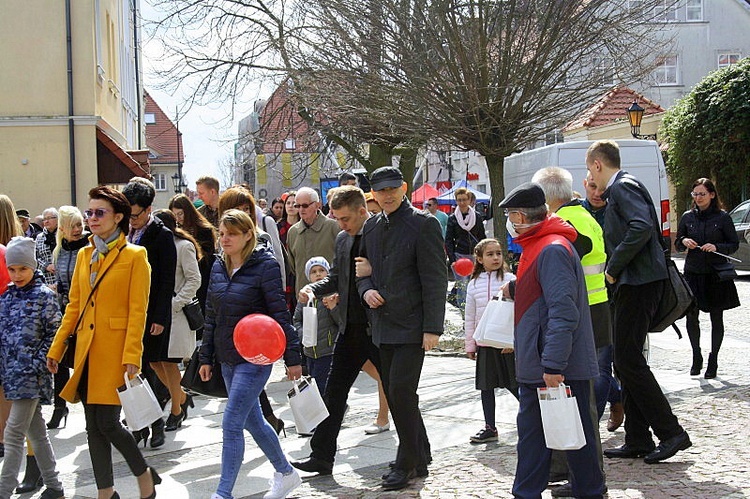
319	369
244	384
606	387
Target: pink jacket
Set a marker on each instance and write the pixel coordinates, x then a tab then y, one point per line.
479	291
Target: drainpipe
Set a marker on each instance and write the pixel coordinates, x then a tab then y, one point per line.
71	123
138	93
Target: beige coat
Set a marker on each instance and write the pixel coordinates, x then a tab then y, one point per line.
305	242
186	283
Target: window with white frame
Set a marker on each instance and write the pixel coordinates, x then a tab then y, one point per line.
665	11
289	144
604	70
160	181
666	71
694	10
728	58
149	118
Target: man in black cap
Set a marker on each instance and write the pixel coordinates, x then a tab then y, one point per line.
406	296
550	284
30	229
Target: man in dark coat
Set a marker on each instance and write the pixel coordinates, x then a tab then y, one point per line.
353	346
637	274
406	295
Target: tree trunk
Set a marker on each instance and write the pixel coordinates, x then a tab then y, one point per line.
497	189
407	164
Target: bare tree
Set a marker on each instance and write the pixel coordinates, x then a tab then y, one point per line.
228	170
486	75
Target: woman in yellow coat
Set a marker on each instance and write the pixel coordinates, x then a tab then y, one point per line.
108	337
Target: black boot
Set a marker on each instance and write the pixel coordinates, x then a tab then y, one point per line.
712	366
695	370
59	414
157	433
32	478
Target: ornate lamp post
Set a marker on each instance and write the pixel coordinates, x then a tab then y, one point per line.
635	116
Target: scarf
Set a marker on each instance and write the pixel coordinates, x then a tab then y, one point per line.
471	218
101	248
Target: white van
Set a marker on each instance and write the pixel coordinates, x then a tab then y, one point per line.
642	158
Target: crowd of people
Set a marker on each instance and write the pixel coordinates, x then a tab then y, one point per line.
87	297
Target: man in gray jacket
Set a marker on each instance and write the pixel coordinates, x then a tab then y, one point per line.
636	273
406	297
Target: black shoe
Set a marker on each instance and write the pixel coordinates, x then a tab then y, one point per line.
711	367
314	465
141	435
157	433
188	403
669	448
627	452
32	478
398	479
52	494
174	422
156	479
484	435
60	413
2	450
695	369
566	490
420	471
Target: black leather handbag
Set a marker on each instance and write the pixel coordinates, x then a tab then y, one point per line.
194	314
725	270
191	379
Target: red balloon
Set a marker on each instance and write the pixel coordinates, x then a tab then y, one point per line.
259	339
463	267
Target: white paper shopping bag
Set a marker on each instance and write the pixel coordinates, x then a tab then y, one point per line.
561	419
309	324
138	403
307	405
495	328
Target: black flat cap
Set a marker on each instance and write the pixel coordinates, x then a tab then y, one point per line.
526	195
386	176
22	213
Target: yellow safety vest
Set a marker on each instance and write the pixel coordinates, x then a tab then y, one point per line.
594	262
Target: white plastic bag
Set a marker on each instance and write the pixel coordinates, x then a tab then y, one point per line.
561	419
495	328
138	402
307	405
309	324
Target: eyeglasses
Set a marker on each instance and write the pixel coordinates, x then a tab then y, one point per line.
508	212
134	216
47	219
699	194
304	206
97	213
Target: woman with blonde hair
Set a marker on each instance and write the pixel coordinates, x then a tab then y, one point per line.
9	228
245	281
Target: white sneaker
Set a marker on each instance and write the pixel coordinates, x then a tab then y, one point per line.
282	485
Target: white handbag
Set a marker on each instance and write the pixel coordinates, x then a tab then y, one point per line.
309	324
495	328
307	405
561	419
138	402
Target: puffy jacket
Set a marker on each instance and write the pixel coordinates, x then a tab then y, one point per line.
479	292
710	226
553	323
253	289
328	328
29	318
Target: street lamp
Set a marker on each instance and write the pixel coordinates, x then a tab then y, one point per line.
635	116
177	183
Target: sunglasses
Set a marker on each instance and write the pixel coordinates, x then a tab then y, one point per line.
97	213
304	206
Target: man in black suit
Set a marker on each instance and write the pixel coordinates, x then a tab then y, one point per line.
406	296
353	345
637	274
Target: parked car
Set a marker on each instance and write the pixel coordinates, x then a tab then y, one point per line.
741	218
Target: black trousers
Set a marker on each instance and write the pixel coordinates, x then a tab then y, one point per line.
60	378
351	351
401	367
104	430
645	404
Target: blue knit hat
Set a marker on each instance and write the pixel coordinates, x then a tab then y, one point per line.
316	260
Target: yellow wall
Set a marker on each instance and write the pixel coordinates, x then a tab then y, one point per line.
45	178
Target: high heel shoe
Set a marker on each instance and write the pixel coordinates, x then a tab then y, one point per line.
158	438
142	435
174	421
279	427
184	406
695	369
712	367
156	479
60	413
115	495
